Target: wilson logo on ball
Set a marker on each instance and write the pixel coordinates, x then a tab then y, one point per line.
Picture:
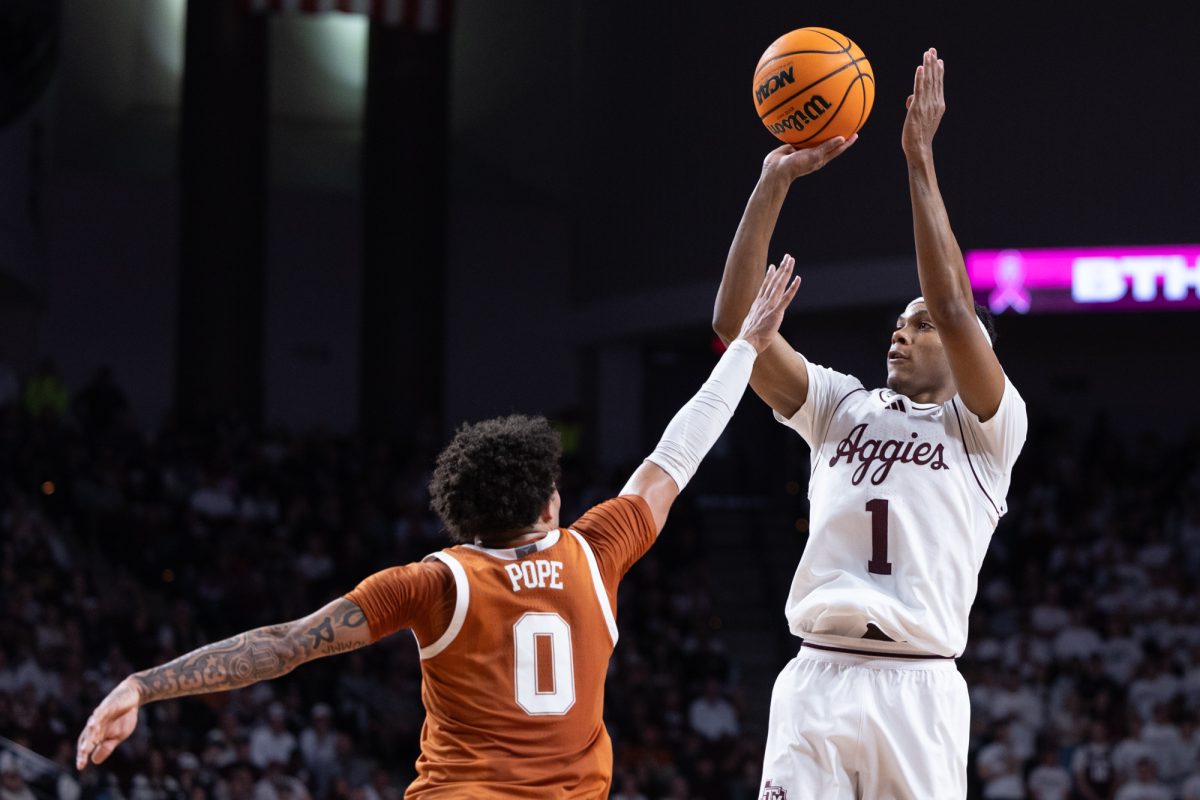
807	114
773	84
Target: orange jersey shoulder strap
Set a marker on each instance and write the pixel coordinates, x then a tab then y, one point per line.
462	592
601	595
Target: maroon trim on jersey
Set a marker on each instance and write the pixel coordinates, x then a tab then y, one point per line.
963	435
875	653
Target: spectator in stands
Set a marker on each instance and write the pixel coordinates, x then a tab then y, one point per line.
275	784
711	715
12	780
627	787
1093	769
1049	780
1191	786
1131	749
318	745
1166	742
272	743
1145	785
1000	768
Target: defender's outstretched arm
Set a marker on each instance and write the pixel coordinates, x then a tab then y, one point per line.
698	425
250	657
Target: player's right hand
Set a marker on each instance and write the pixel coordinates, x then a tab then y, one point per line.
110	724
766	313
925	105
792	162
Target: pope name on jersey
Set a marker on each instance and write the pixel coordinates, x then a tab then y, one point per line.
904	500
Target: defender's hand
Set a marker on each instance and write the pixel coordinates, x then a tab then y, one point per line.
926	105
791	162
110	724
766	313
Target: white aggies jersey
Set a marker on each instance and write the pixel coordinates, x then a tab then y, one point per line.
904	499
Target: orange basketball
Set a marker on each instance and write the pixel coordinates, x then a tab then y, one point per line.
813	84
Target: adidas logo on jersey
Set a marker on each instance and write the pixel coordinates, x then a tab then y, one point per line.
896	405
883	454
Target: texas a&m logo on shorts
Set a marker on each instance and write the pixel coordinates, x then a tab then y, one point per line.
773	792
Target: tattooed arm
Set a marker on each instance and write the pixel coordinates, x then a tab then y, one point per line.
250	657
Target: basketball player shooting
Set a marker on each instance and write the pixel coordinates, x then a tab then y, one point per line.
906	487
514	624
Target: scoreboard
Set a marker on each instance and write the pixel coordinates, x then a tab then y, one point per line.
1158	277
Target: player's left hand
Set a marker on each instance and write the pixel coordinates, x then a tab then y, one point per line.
926	105
111	723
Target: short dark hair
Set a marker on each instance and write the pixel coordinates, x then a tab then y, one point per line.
495	476
987	319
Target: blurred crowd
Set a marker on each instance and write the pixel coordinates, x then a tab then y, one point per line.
1084	654
120	550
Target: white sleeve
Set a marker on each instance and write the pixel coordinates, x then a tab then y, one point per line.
827	389
697	426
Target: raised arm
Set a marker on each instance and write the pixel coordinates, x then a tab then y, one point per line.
250	657
944	283
780	377
698	425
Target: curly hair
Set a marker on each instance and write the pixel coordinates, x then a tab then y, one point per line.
495	476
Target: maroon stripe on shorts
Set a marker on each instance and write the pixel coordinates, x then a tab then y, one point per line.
876	653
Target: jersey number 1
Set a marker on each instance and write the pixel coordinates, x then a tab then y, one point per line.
879	565
544	672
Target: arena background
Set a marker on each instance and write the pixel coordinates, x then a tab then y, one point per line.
305	247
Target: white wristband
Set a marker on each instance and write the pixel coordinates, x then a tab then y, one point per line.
697	426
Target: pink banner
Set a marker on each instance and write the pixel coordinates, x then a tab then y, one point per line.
1086	279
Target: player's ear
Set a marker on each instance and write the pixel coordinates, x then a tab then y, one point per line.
550	511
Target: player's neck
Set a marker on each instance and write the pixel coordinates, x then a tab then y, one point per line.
933	397
510	539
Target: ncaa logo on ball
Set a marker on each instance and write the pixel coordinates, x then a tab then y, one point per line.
774	83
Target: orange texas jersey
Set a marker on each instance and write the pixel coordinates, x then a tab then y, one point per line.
514	649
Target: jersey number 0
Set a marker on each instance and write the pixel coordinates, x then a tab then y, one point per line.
544	670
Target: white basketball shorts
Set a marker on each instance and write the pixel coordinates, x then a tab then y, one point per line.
845	726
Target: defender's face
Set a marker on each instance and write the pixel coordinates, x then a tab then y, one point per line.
916	361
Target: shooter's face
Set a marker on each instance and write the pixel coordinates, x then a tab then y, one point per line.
916	362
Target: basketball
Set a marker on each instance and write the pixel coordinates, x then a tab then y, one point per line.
813	84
